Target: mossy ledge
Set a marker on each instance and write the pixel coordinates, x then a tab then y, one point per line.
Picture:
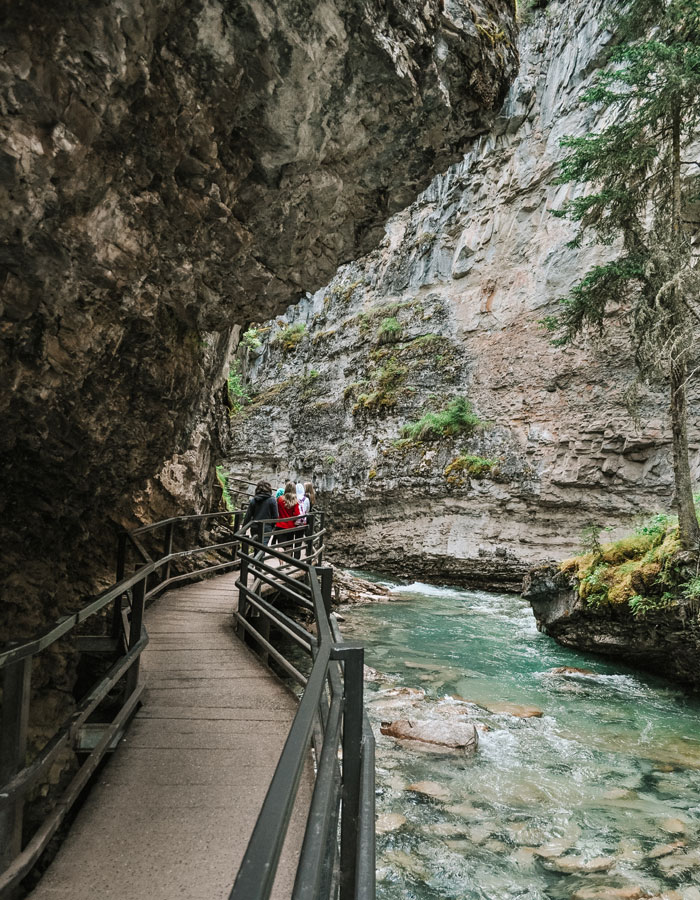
637	599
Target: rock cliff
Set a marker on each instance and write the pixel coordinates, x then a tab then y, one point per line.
449	305
665	641
170	170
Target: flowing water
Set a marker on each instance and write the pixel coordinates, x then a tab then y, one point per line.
575	803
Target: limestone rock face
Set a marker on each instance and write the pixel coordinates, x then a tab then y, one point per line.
169	170
666	642
466	273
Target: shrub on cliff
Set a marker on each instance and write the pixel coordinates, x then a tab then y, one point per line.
457	418
646	570
237	390
288	338
475	466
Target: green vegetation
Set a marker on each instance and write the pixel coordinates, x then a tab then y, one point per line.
341	293
289	338
475	466
251	339
386	383
329	460
367	319
308	383
222	478
639	196
457	418
237	391
389	330
645	570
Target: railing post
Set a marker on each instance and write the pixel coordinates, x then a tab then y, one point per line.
321	522
353	655
310	519
325	576
237	523
168	548
16	687
243	579
121	564
258	531
121	554
137	605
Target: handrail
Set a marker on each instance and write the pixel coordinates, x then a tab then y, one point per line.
338	853
338	847
128	640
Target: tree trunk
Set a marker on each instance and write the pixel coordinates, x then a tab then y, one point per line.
676	164
687	518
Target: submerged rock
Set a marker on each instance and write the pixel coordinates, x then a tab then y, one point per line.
387	822
435	734
610	893
574	865
673	826
518	710
665	849
430	789
570	670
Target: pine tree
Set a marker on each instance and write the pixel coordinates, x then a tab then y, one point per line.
638	187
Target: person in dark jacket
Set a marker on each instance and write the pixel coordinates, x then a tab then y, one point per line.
262	506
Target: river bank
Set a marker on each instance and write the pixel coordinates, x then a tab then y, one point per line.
596	797
665	641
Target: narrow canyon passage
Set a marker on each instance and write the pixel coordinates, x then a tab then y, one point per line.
595	790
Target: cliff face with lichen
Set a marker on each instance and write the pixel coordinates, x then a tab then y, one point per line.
168	171
448	306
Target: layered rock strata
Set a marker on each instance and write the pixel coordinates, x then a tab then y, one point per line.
450	305
666	641
169	170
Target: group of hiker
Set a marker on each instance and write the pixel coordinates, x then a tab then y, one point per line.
285	509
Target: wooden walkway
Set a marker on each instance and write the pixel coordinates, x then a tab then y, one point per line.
172	811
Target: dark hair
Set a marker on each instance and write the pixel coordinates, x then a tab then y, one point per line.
263	487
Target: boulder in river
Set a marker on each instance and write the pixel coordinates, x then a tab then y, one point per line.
435	734
570	670
430	789
405	693
604	892
665	849
520	711
673	826
387	822
579	865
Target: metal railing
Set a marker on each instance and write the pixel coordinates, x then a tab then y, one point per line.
337	858
338	851
117	614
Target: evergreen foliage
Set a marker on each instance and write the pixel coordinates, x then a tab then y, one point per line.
637	190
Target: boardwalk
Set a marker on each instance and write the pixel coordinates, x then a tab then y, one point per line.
173	809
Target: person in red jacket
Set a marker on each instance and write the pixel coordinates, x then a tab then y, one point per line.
287	506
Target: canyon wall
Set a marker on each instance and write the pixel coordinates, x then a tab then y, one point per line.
450	305
169	171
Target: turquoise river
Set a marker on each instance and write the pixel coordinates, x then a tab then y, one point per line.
597	798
